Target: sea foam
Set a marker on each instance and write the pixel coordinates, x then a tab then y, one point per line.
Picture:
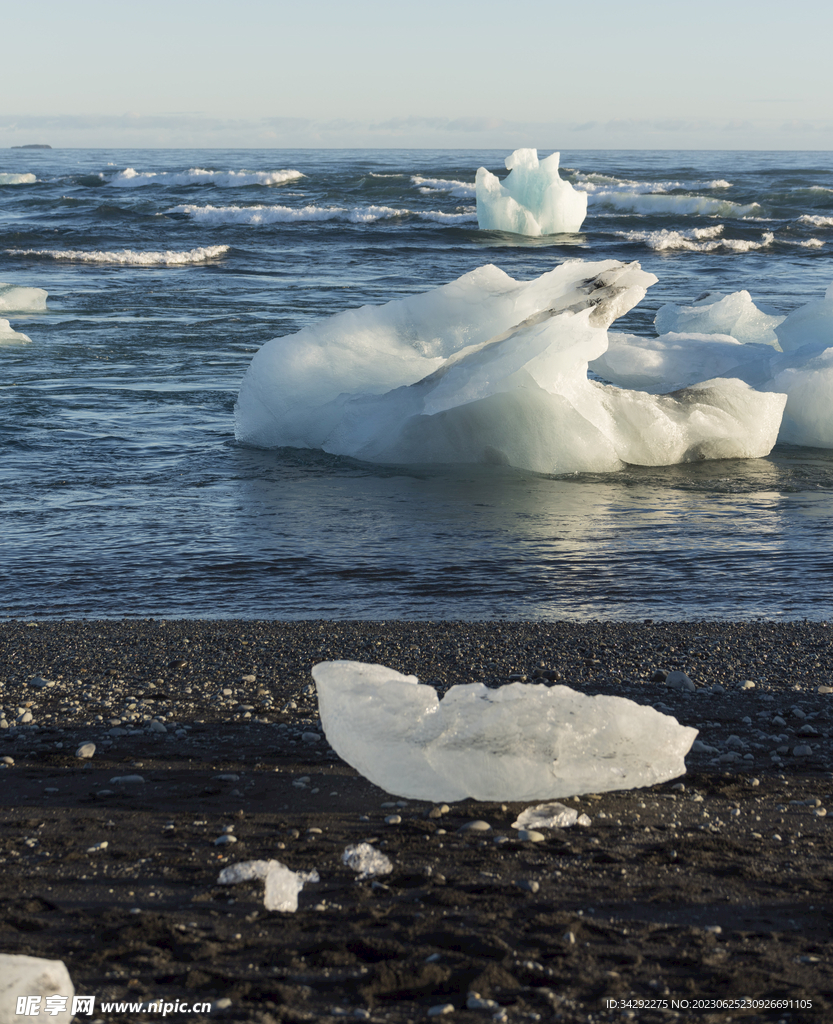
127	256
130	178
264	215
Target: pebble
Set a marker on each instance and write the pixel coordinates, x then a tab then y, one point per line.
440	1009
476	1002
7	760
531	836
802	750
475	826
156	726
225	839
127	780
677	680
713	929
85	750
97	847
528	885
393	819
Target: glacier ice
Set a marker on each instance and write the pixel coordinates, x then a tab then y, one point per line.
519	742
366	860
487	369
19	299
546	816
713	313
531	200
9	336
282	884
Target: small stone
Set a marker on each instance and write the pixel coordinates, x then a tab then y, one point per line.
802	750
249	679
713	929
747	684
825	689
85	750
807	730
531	836
7	760
39	683
230	777
222	1004
98	847
677	680
156	726
476	1002
475	826
393	819
225	839
820	812
24	718
127	780
570	937
311	737
440	1009
528	885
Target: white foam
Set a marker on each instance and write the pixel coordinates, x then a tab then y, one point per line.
517	742
605	184
488	369
696	240
463	189
816	221
531	200
128	256
17	179
259	216
20	299
9	336
653	204
130	178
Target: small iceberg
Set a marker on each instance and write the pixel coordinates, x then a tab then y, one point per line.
532	199
9	336
282	884
19	299
519	742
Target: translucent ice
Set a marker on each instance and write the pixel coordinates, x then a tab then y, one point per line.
531	200
488	369
282	885
18	299
810	327
519	742
547	816
736	315
366	860
9	336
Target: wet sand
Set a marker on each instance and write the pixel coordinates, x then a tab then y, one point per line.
672	904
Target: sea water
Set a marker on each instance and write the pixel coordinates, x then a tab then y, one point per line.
124	492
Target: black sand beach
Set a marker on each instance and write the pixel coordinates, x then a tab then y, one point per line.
705	898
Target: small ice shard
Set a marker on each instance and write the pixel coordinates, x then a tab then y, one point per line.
44	986
531	200
547	816
735	315
518	742
366	860
282	884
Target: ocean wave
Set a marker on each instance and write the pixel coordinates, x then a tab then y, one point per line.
17	179
264	215
654	203
130	178
696	240
127	256
463	189
816	221
596	183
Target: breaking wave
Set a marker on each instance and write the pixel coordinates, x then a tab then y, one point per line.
659	203
130	178
127	256
595	183
816	221
263	215
462	189
17	179
696	240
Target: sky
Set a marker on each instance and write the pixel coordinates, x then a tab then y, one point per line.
605	74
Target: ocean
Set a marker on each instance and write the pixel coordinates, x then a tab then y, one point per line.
125	494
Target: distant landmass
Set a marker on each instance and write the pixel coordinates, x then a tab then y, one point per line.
33	145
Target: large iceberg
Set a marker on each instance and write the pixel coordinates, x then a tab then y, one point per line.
489	369
518	742
532	199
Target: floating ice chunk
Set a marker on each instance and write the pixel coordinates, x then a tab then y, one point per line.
9	336
366	860
22	976
532	199
17	179
679	360
18	299
808	416
735	315
810	327
282	884
547	816
519	742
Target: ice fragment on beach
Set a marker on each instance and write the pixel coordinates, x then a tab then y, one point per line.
282	884
24	976
366	860
531	200
546	816
519	742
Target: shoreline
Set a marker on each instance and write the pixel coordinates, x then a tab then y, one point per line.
718	890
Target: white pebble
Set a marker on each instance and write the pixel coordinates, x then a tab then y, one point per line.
85	750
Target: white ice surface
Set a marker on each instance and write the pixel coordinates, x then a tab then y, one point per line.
532	199
491	370
366	860
736	315
282	884
518	742
9	336
19	299
17	179
546	816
